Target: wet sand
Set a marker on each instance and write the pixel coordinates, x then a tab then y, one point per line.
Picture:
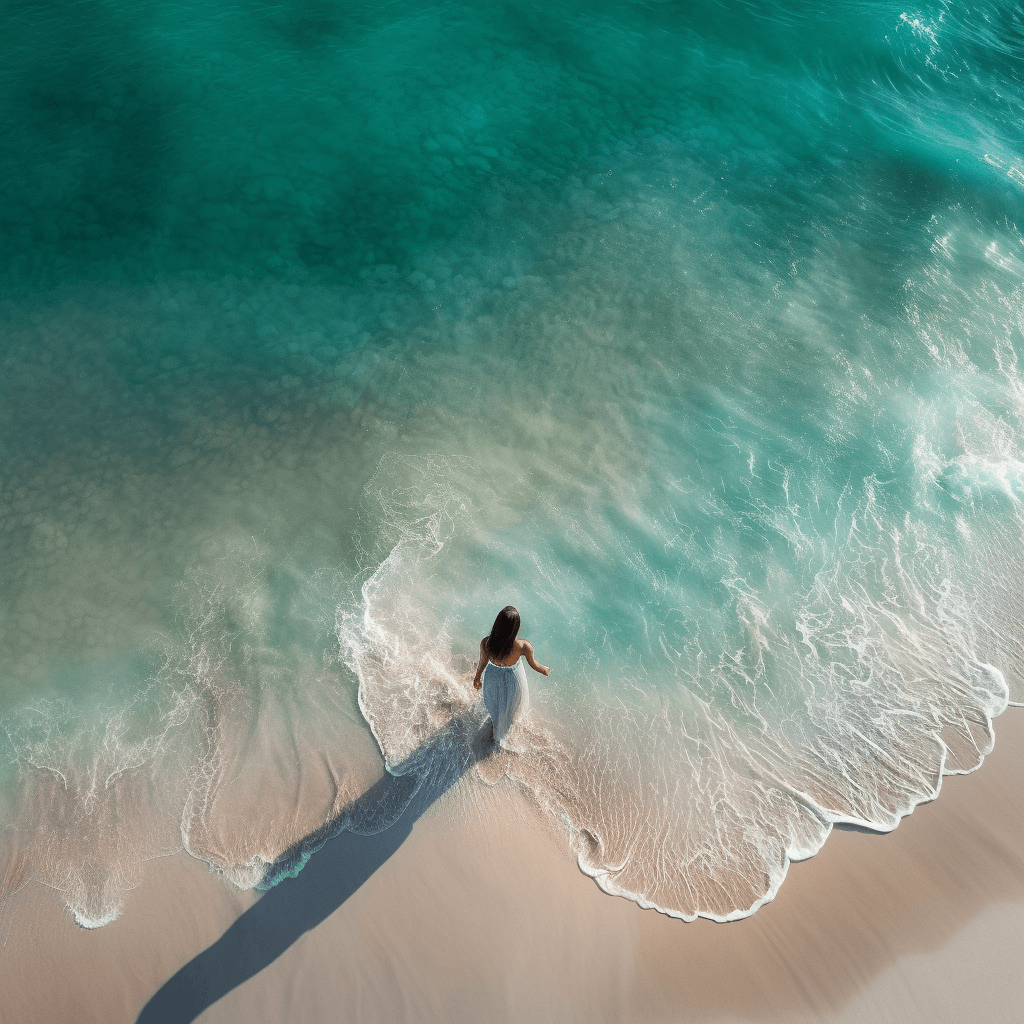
482	913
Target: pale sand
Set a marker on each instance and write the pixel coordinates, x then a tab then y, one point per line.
489	919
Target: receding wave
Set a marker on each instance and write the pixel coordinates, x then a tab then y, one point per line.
691	330
689	784
231	750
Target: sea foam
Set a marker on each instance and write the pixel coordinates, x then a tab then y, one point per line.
694	333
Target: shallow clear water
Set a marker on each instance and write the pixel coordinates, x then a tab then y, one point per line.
691	329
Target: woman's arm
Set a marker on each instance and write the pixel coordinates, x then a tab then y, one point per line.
532	661
480	667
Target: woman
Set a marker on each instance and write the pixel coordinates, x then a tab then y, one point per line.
504	678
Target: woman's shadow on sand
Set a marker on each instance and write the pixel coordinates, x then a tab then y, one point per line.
302	889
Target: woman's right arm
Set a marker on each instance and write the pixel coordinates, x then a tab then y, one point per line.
480	666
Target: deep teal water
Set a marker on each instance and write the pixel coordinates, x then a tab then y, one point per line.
328	329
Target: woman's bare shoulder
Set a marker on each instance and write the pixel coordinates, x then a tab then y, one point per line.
524	645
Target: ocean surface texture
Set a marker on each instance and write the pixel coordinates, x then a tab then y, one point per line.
694	330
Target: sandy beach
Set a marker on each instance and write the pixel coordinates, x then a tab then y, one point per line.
482	911
332	332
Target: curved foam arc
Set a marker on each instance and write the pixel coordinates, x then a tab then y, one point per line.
725	384
393	644
407	686
182	765
587	843
101	795
607	867
374	654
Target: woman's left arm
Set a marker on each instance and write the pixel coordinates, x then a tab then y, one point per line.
532	661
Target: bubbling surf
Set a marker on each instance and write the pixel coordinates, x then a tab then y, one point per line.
307	368
689	784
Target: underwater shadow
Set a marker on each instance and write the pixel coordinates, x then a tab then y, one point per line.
302	890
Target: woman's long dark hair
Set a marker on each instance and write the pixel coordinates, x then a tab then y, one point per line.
503	634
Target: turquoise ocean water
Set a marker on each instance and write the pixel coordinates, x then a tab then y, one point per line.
692	329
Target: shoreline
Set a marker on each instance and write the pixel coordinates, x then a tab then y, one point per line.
483	910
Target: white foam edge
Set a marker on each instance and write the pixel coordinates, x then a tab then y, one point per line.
91	923
828	819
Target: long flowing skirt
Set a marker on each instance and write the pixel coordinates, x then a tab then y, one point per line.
506	695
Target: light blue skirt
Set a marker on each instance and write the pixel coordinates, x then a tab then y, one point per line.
506	695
